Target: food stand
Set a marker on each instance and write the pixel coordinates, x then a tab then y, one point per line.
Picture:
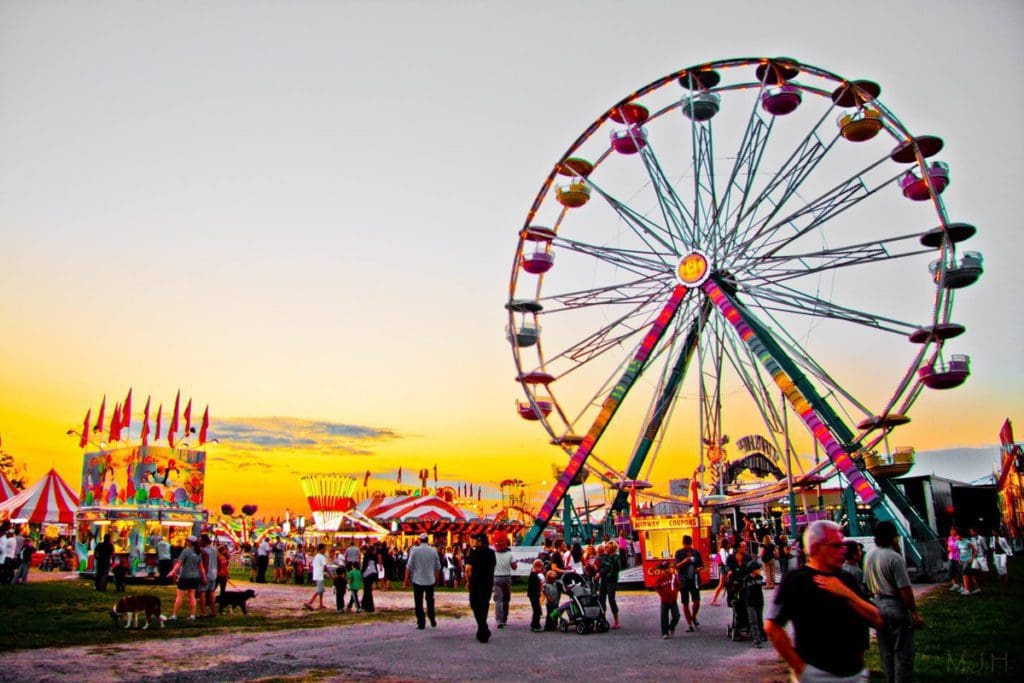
137	494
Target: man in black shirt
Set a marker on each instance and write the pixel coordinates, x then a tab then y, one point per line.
480	581
830	618
688	564
103	553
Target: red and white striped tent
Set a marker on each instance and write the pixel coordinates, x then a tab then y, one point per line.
398	508
49	501
7	491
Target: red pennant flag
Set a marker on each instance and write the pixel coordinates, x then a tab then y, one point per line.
159	415
399	479
145	424
188	417
115	416
99	418
126	412
1006	434
435	473
174	420
203	427
84	441
366	479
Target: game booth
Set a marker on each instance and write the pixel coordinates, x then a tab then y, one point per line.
138	495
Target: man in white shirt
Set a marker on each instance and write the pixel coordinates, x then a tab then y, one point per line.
504	564
8	551
262	560
423	570
319	565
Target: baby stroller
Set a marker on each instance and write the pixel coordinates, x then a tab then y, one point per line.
582	611
739	629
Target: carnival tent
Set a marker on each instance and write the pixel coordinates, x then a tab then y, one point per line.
49	501
397	508
7	490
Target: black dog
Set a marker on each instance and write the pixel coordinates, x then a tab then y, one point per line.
231	599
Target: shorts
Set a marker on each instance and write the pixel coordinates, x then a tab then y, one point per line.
208	587
690	590
188	584
320	586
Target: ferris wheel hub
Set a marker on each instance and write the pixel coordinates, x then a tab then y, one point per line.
693	269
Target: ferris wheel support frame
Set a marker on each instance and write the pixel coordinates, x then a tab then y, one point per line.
621	500
611	404
806	403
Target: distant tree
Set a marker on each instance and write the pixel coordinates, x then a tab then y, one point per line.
14	471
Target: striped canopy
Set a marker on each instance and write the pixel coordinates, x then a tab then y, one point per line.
418	507
6	490
50	500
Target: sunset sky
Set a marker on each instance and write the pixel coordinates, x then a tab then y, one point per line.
304	214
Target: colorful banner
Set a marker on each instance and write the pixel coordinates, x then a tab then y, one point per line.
143	476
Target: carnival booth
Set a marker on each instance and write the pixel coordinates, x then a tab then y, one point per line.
137	495
431	514
49	501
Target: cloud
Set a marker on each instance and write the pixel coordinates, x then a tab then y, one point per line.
309	436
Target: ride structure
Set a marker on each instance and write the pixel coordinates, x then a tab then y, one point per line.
729	231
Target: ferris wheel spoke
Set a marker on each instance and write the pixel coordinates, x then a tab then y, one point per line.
644	228
746	366
788	300
813	214
748	161
785	182
634	291
777	268
673	210
632	260
705	195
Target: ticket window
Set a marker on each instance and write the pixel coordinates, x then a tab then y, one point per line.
658	545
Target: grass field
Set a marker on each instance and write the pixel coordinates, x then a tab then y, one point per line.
969	638
71	612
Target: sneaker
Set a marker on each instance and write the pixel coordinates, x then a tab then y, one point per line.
955	587
173	617
690	629
975	591
664	636
191	617
696	624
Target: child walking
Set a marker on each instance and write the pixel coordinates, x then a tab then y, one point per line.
533	591
753	591
355	584
340	588
551	595
668	591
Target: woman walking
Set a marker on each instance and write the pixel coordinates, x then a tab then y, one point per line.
190	574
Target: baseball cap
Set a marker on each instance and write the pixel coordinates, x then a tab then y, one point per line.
191	539
423	536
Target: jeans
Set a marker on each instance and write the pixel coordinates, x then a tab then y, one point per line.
667	610
535	606
480	603
756	621
606	596
353	600
896	640
502	596
418	593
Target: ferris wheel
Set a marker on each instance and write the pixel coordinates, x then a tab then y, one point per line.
731	243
